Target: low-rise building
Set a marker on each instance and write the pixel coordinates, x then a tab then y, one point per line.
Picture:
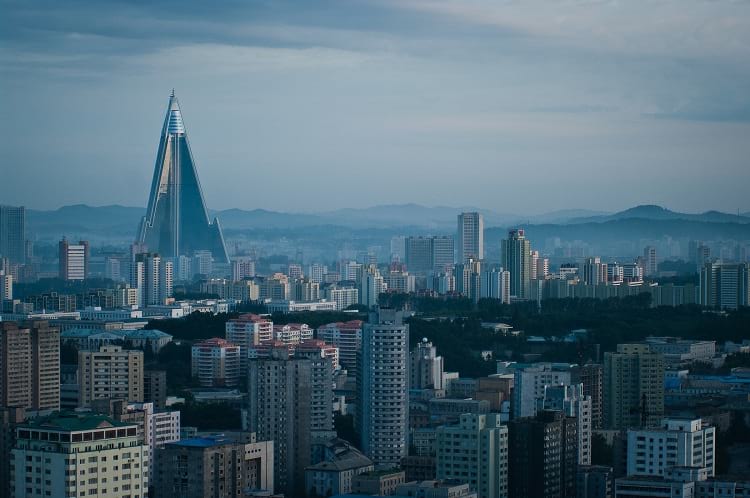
377	482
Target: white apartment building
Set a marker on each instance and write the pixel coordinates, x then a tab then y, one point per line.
530	382
74	455
475	451
216	363
383	410
677	443
247	331
292	333
342	296
347	337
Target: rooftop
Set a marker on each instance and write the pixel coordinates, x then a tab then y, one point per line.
72	421
203	442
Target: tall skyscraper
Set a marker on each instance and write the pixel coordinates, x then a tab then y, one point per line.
475	451
442	253
290	402
633	387
516	258
12	233
419	254
176	221
74	260
470	236
573	403
6	287
383	380
30	365
543	456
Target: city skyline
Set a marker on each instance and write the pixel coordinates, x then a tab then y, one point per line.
639	104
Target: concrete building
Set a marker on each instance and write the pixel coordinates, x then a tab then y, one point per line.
475	451
470	237
30	365
216	363
12	233
347	337
495	284
6	287
573	403
342	296
681	352
73	260
443	253
590	375
419	254
633	393
292	333
677	443
650	266
425	367
543	456
530	382
246	331
450	488
595	481
110	373
334	475
291	403
70	454
214	467
383	384
377	482
153	276
724	285
155	388
516	258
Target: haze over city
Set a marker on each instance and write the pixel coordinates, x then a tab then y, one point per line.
508	106
395	248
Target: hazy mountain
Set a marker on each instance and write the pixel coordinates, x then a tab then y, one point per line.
652	212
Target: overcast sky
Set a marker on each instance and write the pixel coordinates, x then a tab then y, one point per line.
515	106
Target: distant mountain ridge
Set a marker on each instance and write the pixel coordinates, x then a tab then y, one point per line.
653	212
118	221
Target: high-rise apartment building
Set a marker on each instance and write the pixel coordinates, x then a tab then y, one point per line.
290	404
30	365
633	387
347	337
12	233
425	367
383	384
242	268
443	253
590	375
469	279
419	254
495	284
650	266
110	373
724	285
516	258
176	221
676	443
71	454
216	362
155	388
246	331
73	260
543	456
573	403
153	276
214	467
475	451
371	285
595	481
594	272
6	286
530	382
470	236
